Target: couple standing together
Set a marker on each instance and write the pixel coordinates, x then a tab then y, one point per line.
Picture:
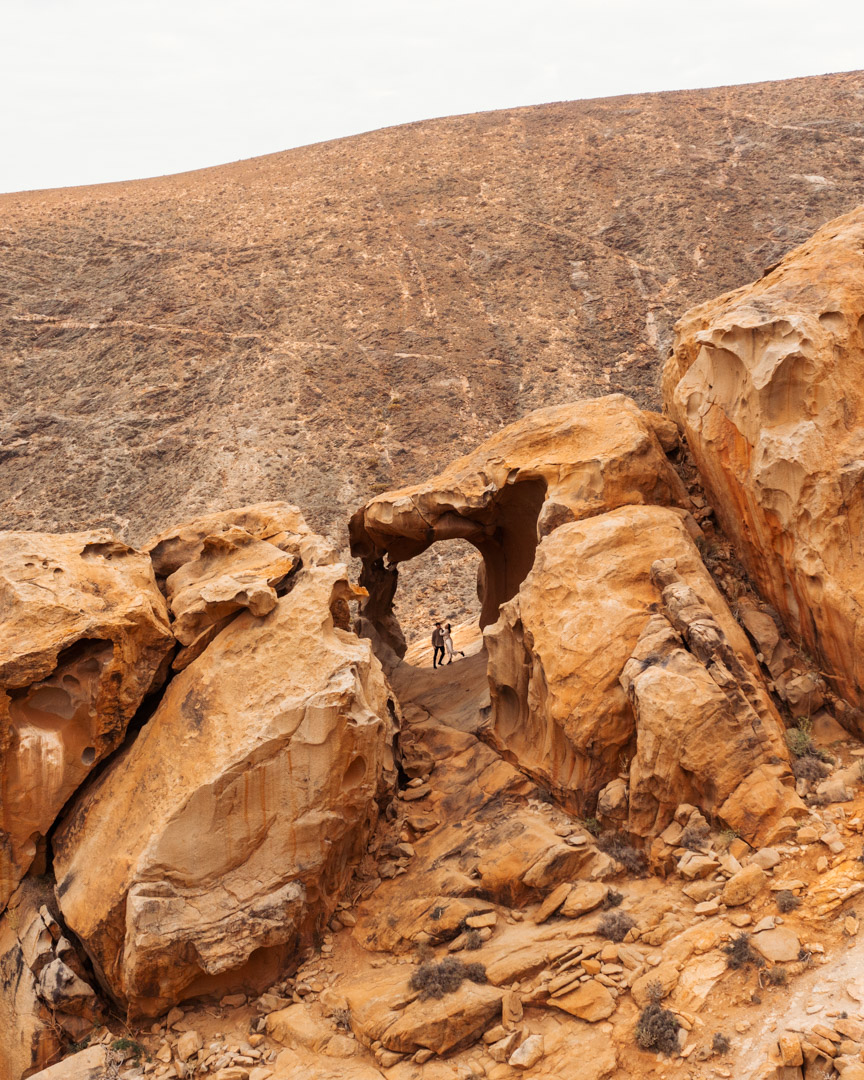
441	640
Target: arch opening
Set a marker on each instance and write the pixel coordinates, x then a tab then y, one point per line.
503	528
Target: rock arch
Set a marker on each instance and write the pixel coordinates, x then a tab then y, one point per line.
559	465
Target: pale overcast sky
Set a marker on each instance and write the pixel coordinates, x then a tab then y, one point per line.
97	90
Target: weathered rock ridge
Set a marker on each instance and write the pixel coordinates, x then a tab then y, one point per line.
584	676
83	637
577	511
766	384
210	851
560	464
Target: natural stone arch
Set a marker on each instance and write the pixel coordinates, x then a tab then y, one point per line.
560	464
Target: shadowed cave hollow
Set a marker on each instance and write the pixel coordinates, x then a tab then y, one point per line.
503	532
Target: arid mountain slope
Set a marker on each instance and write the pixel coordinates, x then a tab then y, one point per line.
332	321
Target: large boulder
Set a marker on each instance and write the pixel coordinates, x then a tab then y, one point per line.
219	843
94	1063
766	383
219	564
556	465
706	730
83	637
385	1009
590	613
278	523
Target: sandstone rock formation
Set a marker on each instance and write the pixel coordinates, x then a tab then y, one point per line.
557	465
83	637
766	384
44	994
219	564
582	633
706	730
277	523
212	849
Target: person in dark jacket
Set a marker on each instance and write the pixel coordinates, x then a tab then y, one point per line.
437	645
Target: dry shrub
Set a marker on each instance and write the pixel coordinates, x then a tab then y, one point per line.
739	953
616	846
720	1044
810	768
615	925
473	940
436	980
787	901
657	1029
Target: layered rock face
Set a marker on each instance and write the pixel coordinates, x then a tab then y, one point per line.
221	840
586	632
45	994
558	465
84	635
589	676
766	384
220	564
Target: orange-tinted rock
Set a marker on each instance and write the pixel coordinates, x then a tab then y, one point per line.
706	727
207	853
385	1009
555	466
83	636
44	996
277	523
232	571
560	648
766	383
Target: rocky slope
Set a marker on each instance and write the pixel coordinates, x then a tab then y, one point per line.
599	843
765	382
249	833
348	317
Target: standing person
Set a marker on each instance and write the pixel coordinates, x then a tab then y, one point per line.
448	644
437	645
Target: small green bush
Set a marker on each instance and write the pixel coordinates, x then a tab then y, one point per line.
130	1046
798	738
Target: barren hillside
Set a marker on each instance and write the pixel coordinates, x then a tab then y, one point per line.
324	323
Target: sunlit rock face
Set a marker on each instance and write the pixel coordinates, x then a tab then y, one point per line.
84	636
766	384
556	465
207	854
618	656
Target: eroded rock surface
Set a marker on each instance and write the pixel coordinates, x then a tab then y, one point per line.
45	997
706	730
83	637
558	465
585	629
766	384
206	854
